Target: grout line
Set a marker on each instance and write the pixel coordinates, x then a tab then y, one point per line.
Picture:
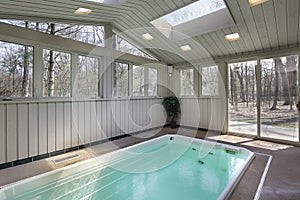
263	178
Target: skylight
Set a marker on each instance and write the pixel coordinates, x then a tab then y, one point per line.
109	2
200	17
193	11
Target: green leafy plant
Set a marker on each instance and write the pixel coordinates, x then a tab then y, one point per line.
172	107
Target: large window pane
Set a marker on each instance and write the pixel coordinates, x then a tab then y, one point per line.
121	81
152	85
87	77
121	44
83	33
16	64
138	81
242	106
279	96
186	82
57	74
210	81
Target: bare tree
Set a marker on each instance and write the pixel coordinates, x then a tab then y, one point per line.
277	65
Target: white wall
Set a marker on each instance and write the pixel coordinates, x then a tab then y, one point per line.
28	129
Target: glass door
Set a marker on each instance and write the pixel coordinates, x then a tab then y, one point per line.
279	96
242	104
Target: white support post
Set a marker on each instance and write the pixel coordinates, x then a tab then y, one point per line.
38	72
108	77
130	79
199	68
196	81
258	96
108	36
223	91
146	81
74	72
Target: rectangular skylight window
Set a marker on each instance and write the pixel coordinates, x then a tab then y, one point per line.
202	16
193	11
109	2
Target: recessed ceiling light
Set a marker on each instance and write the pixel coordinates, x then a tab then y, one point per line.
83	11
256	2
186	48
232	37
147	36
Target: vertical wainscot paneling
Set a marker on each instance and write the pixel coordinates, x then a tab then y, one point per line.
51	127
2	134
93	121
33	129
12	132
22	131
74	119
81	123
87	122
67	125
59	129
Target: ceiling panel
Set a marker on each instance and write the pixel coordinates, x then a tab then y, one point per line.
274	24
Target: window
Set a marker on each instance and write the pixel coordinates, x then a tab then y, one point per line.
121	44
83	33
87	77
242	93
202	16
210	81
186	82
193	11
57	74
138	81
121	79
16	65
152	82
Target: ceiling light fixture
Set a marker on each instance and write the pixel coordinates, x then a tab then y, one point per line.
147	36
186	48
83	11
256	2
232	37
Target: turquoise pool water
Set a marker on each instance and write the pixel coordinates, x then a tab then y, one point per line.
186	177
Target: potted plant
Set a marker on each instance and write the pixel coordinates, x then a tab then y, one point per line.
172	107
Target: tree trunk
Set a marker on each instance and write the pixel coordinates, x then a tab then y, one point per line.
291	67
241	79
25	82
51	66
284	82
276	92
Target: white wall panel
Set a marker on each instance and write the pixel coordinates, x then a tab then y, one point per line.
81	122
2	134
67	125
93	121
59	128
12	132
51	127
22	131
35	128
74	119
87	122
43	128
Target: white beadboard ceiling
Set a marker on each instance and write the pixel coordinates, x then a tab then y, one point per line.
272	25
